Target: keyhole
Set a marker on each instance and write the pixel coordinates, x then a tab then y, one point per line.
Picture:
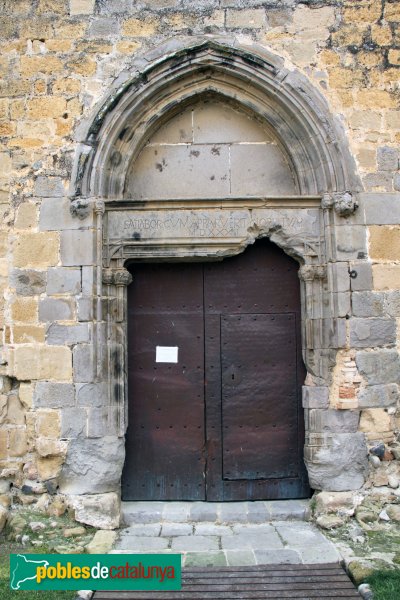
233	375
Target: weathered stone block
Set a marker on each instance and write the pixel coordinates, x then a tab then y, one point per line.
386	277
369	333
55	309
26	216
50	447
384	242
379	366
53	395
83	363
339	277
139	28
49	467
92	465
382	208
339	464
55	214
98	510
392	303
388	159
73	422
18	445
85	309
97	422
68	334
374	422
102	542
28	282
246	18
103	27
92	394
62	280
81	7
24	310
361	276
351	242
378	396
49	187
48	423
87	281
368	304
36	250
315	397
77	248
42	362
332	502
27	334
336	421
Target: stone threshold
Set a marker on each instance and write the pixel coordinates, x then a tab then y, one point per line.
225	533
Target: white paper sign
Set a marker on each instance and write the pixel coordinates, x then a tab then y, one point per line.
167	354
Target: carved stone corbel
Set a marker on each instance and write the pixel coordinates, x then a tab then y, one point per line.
122	277
80	208
343	203
311	272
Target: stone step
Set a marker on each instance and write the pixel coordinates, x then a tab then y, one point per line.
215	512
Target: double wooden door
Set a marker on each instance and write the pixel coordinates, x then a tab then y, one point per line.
215	375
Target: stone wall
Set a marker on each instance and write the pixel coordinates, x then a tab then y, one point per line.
60	59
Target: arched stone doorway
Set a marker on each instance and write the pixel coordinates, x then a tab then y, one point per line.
310	221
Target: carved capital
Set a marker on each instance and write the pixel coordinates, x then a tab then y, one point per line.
311	272
108	276
99	207
122	277
118	277
343	203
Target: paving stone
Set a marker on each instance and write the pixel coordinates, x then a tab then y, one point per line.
148	530
194	543
289	510
238	558
203	512
212	529
175	529
298	534
252	528
142	543
257	512
251	540
176	512
142	512
369	333
205	559
233	512
277	557
61	280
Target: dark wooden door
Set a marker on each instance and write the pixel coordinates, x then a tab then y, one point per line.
224	422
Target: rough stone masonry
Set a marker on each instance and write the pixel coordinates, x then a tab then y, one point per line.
67	67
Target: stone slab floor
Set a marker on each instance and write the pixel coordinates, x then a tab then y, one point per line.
231	533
